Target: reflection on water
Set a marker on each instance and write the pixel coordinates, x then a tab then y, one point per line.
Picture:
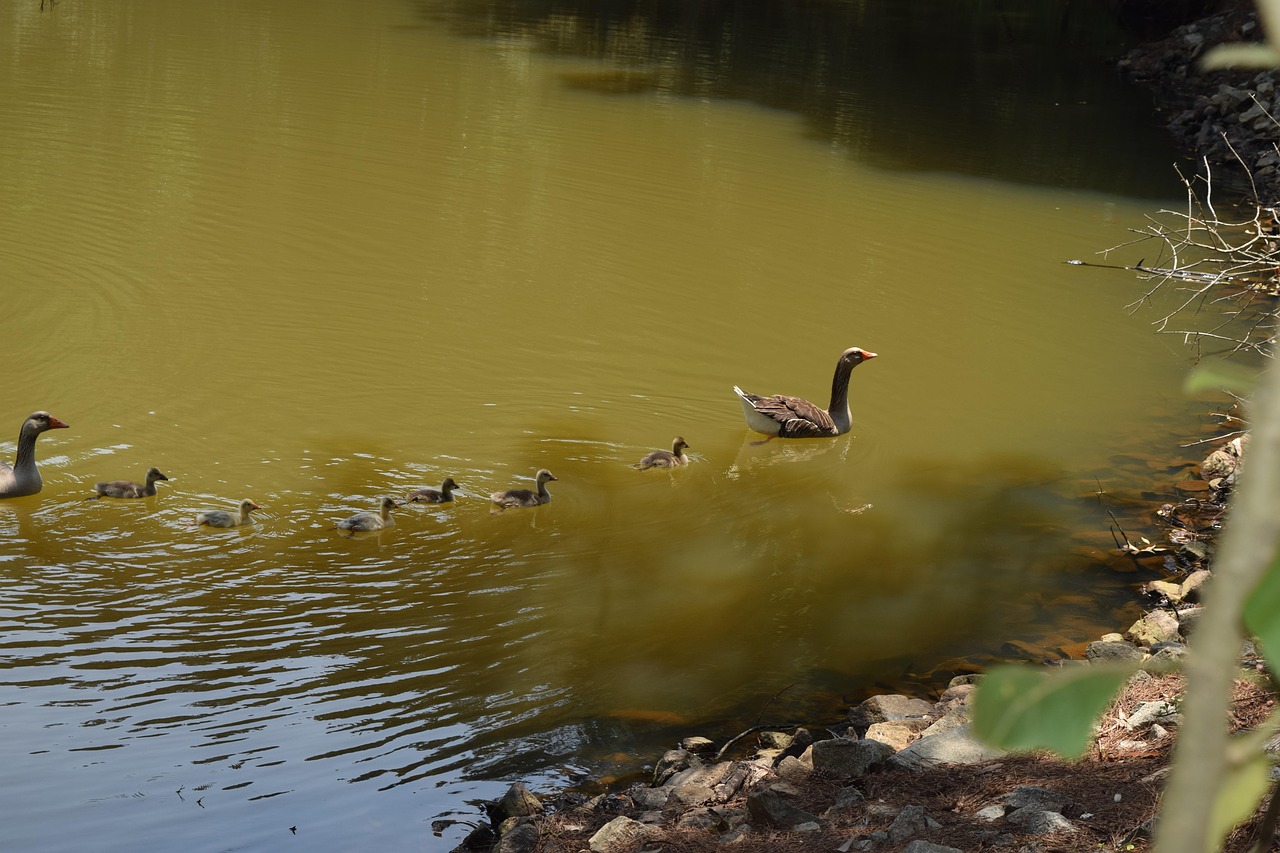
966	87
322	253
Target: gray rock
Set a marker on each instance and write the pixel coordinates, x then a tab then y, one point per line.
697	744
1039	822
957	746
672	762
897	733
893	706
844	758
518	801
955	717
1156	626
701	775
1103	650
909	823
649	798
793	769
847	798
775	740
767	806
962	692
737	835
922	846
708	819
1034	797
1147	713
990	813
621	833
521	838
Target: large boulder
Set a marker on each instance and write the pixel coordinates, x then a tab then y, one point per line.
844	758
956	746
891	706
1157	626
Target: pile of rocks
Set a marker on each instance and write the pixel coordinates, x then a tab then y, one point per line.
737	802
1230	117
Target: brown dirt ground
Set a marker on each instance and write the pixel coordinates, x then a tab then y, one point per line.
1118	784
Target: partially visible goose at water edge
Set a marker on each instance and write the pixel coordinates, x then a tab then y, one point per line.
525	497
442	495
23	478
127	488
222	518
795	417
673	458
370	520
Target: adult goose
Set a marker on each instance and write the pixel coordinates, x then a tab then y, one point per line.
442	495
129	489
525	497
795	417
23	478
222	518
673	458
371	520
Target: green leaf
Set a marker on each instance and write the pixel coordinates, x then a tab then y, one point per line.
1022	707
1262	614
1215	374
1237	797
1240	56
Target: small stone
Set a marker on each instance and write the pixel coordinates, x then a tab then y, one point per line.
922	846
990	813
697	744
844	800
910	822
1039	822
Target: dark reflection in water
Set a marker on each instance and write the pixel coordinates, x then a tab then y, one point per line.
1019	92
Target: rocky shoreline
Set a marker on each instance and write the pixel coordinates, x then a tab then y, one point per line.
1227	119
904	773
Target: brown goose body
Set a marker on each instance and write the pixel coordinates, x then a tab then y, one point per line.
371	520
673	458
796	417
222	518
129	489
525	497
23	477
442	495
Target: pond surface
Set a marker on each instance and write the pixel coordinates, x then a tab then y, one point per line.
313	253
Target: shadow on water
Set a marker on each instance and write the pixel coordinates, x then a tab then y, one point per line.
1023	93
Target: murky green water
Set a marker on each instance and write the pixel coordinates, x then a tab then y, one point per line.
316	253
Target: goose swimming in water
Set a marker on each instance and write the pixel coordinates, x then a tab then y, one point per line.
23	478
222	518
128	489
525	497
673	458
795	417
371	520
442	495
